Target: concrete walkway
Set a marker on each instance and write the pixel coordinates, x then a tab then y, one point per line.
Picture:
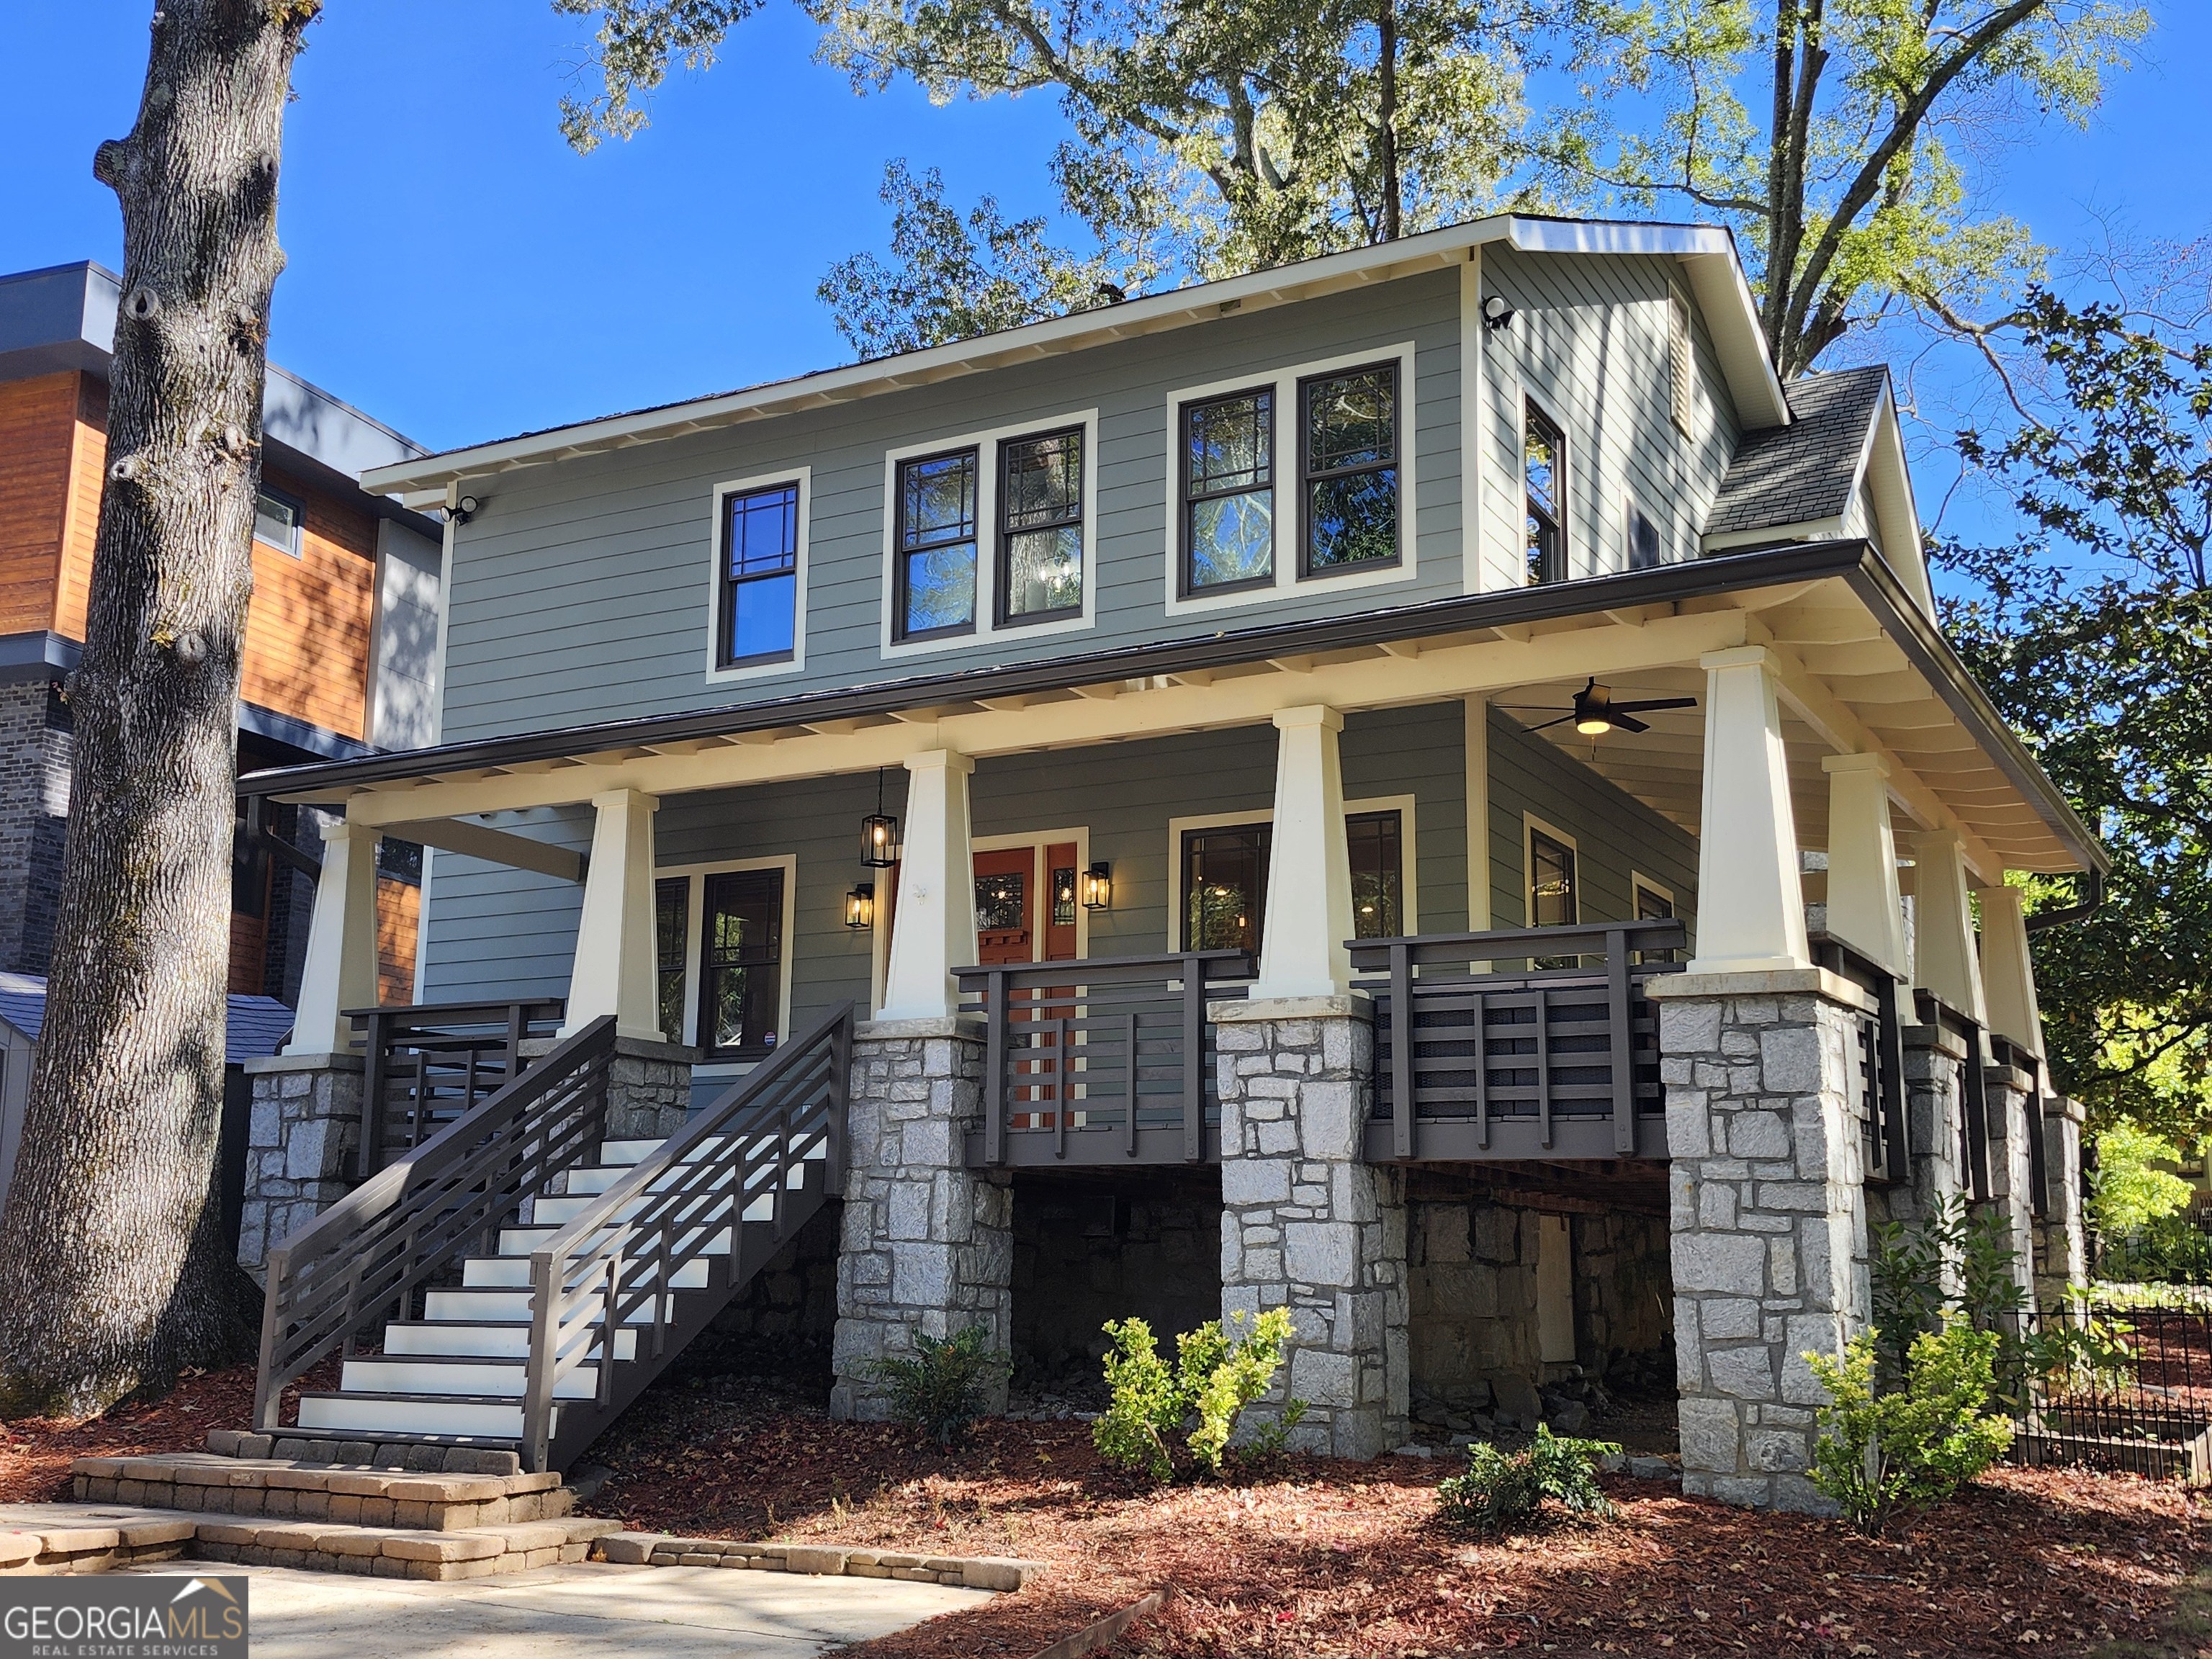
590	1610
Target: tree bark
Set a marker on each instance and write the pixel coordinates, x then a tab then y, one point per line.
112	1246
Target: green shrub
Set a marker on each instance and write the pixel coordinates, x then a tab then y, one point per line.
1505	1493
1215	1377
1915	1445
941	1388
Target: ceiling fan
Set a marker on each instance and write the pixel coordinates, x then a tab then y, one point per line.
1595	713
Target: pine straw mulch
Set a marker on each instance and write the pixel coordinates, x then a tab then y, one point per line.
1321	1560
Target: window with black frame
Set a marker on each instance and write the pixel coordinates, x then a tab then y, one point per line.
935	570
1553	899
740	962
1041	527
1654	905
1378	856
1224	886
1228	492
760	575
672	926
1544	474
1348	447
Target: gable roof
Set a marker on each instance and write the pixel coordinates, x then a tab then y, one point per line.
1806	470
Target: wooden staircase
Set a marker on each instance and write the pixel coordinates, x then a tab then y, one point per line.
556	1237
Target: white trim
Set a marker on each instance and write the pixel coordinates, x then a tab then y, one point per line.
1531	825
694	937
988	444
1409	894
1037	840
1637	881
422	929
1631	506
1478	814
717	527
445	612
1288	464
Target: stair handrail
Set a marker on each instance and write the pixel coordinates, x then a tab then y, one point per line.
770	1124
385	1239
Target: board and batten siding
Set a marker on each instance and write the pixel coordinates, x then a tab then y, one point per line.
580	592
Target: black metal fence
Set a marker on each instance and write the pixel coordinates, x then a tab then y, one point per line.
2133	1392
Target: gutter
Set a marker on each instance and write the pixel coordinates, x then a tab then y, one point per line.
2092	900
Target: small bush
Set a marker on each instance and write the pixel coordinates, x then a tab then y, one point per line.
1913	1448
1199	1398
941	1390
1505	1492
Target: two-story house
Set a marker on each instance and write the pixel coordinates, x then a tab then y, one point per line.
1306	790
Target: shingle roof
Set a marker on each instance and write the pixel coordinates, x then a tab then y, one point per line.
1803	471
256	1026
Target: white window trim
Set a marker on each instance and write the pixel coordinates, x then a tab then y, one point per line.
717	529
1409	896
1630	504
1286	449
1531	826
879	942
298	504
695	922
1640	883
986	445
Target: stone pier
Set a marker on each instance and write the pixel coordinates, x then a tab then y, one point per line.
2012	1109
2062	1243
303	1146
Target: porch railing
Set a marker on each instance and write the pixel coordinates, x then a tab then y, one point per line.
362	1260
428	1066
1973	1148
1560	1060
1885	1129
1108	1059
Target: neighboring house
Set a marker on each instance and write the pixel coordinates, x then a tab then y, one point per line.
1159	726
340	641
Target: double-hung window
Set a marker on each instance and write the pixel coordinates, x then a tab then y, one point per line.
1041	527
1348	453
1544	474
935	551
759	620
1228	492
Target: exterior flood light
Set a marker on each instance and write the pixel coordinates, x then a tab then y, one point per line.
1497	312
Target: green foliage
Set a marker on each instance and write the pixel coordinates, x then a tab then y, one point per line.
2131	1188
1505	1493
2171	1249
1912	1446
941	1388
1201	1397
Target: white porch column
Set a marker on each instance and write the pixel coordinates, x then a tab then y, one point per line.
2007	972
1751	903
1864	905
617	970
340	972
933	928
1944	958
1308	915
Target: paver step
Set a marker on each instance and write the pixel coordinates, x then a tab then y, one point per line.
284	1489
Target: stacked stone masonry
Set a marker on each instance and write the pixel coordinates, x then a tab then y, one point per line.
2061	1239
303	1146
1308	1223
2012	1106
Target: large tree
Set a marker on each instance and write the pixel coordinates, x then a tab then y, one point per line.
112	1247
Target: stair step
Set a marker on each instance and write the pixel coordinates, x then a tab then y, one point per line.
498	1272
521	1241
502	1306
479	1337
374	1414
444	1375
628	1151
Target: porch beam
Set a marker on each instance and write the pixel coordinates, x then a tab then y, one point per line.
478	840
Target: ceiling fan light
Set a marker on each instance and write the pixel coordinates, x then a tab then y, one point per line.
1593	724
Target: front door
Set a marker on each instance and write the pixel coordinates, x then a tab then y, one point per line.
1005	906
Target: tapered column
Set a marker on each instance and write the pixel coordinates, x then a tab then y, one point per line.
1308	915
2007	972
1945	960
617	967
933	928
1751	903
1863	903
340	972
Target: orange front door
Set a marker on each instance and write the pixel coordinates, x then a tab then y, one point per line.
1005	906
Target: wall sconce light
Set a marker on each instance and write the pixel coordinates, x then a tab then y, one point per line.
1497	312
1097	887
860	907
878	833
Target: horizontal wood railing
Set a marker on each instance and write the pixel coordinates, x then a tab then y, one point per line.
1973	1148
1885	1122
427	1066
1549	1061
1109	1060
362	1260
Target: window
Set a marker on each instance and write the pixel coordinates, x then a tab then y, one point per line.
1228	492
760	575
740	962
1544	471
1041	527
277	519
1553	901
1653	903
1678	360
1643	539
1224	887
1377	874
936	545
672	932
1349	436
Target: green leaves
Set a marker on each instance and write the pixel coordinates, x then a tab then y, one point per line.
636	41
940	1390
1502	1492
1214	1378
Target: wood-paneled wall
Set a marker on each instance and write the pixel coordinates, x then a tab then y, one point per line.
37	441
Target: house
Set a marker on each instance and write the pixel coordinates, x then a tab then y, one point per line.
1393	787
339	643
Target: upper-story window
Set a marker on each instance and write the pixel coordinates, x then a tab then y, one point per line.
760	575
1642	536
278	519
1544	473
1041	534
1349	456
935	567
1228	492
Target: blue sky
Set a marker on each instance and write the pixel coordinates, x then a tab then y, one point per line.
457	270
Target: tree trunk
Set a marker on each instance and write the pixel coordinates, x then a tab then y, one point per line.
112	1247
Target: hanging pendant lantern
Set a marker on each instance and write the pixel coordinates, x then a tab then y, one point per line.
878	833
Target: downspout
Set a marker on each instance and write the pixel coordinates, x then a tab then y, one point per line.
2091	900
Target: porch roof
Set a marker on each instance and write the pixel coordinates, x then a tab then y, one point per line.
1862	670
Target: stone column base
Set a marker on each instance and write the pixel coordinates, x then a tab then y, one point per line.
303	1146
2011	1096
2062	1252
648	1088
